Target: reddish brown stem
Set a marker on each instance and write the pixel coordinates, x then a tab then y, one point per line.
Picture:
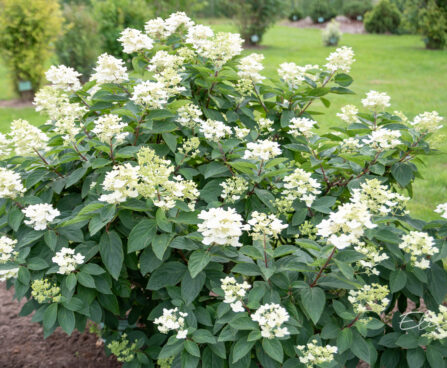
323	268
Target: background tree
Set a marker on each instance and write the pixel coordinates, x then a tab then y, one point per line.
80	44
27	32
254	17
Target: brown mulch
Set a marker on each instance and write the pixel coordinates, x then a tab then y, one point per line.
22	344
346	25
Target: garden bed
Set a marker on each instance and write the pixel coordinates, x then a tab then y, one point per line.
23	345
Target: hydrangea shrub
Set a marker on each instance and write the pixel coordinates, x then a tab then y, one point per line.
190	209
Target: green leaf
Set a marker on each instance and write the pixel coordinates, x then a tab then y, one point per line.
86	280
403	173
314	301
168	274
434	357
111	250
398	280
241	349
50	316
192	348
141	235
66	319
415	358
15	217
71	281
363	349
343	79
50	238
75	176
93	269
159	245
162	222
202	336
191	287
171	350
408	341
344	340
198	260
214	169
273	348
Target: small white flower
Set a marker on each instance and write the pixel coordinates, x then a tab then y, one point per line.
221	227
301	126
134	40
340	60
265	225
27	138
270	318
428	122
122	181
7	246
40	215
234	293
109	69
110	128
348	114
437	324
215	130
8	274
369	298
294	75
250	66
419	245
153	95
262	150
313	355
64	78
10	184
376	101
442	210
172	320
383	139
67	260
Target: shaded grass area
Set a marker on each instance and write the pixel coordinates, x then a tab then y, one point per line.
415	78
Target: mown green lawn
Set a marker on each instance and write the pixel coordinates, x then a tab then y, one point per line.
415	78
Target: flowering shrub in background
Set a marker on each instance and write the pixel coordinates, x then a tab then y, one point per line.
331	34
190	208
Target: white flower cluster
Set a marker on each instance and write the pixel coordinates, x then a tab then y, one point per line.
313	355
219	48
376	101
301	126
110	128
250	66
348	114
369	298
61	112
263	225
350	145
346	226
233	188
189	116
294	74
40	215
27	138
172	320
441	209
372	257
427	122
419	245
67	260
234	292
5	149
162	29
10	184
134	40
378	198
122	181
8	274
109	69
270	318
64	78
265	125
221	227
437	324
340	60
298	185
150	95
383	139
214	130
7	246
190	147
241	133
155	182
262	150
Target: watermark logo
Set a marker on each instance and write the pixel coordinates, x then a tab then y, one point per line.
414	321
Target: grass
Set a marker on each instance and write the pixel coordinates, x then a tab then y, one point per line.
415	78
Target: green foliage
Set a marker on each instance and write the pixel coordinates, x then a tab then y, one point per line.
433	25
144	258
80	44
383	18
27	31
254	17
113	16
322	11
192	7
356	9
295	15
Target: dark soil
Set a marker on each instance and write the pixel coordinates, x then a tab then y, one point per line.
22	344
